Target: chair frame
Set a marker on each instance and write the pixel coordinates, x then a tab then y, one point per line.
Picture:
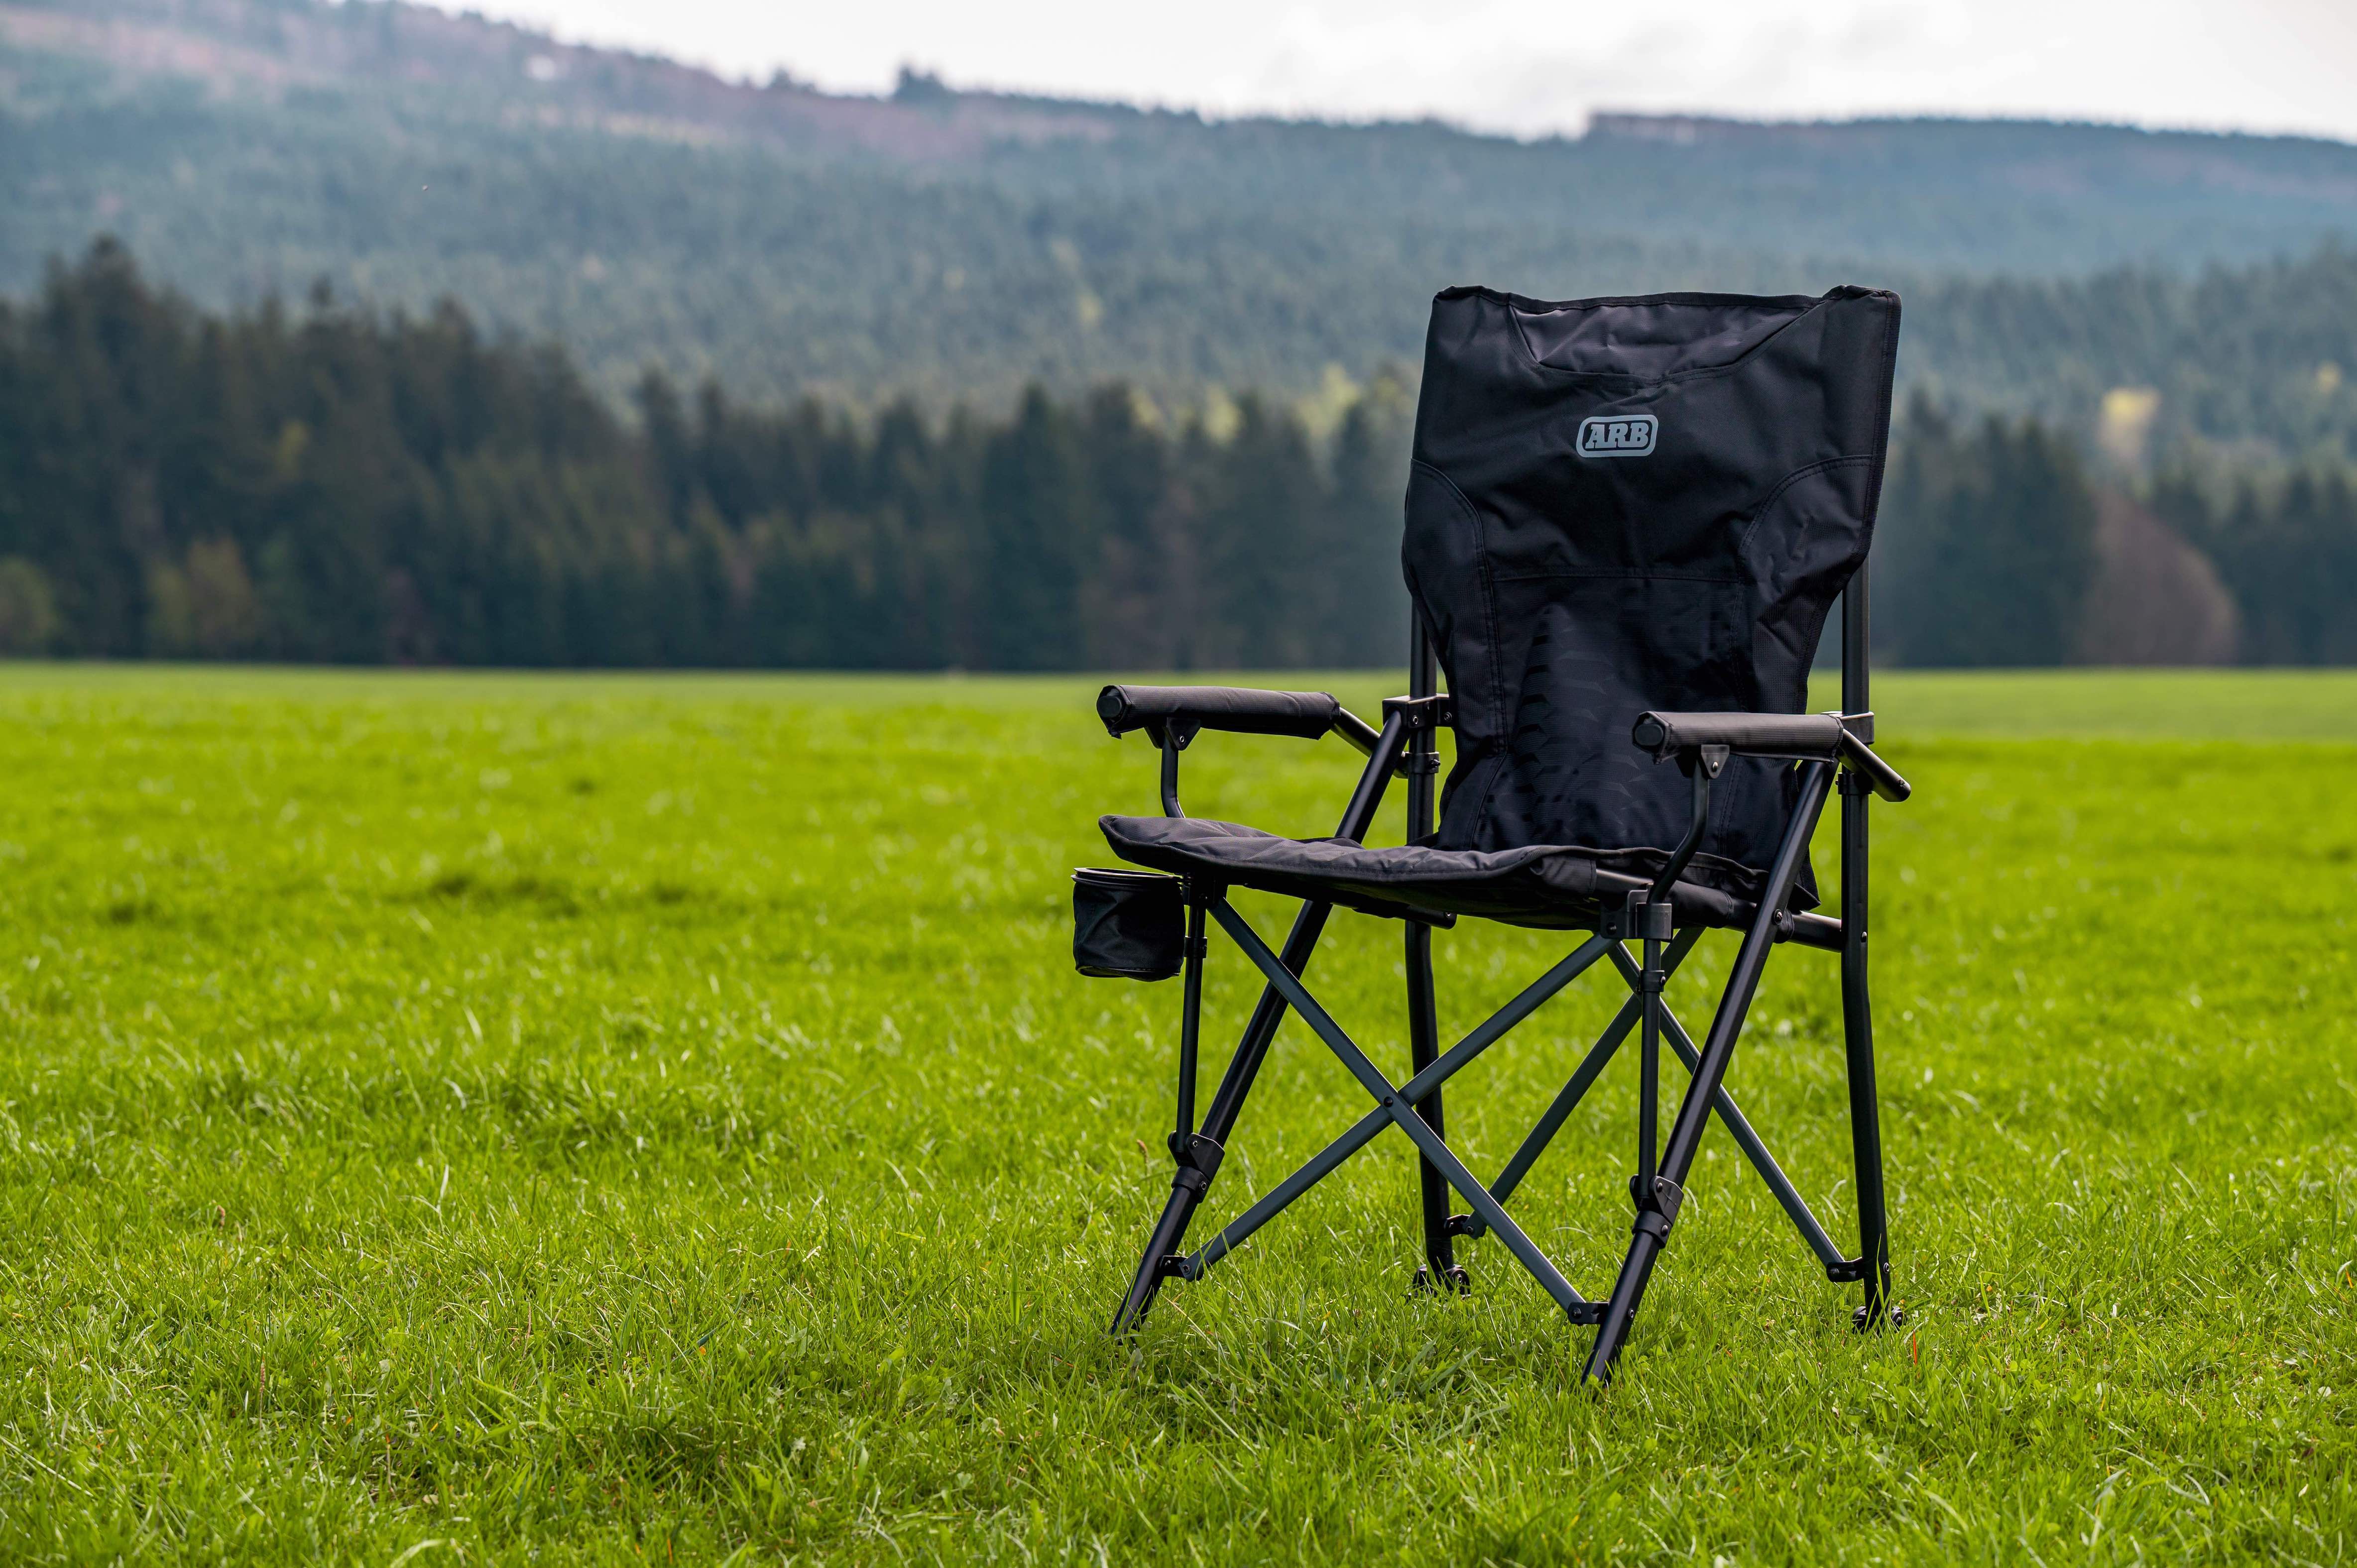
1406	744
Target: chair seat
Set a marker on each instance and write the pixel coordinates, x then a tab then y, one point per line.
1548	886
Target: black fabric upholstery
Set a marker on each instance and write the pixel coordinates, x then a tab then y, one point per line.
1619	505
1552	887
1616	507
1308	714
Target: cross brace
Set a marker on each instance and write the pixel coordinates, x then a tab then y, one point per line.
1389	1107
1397	1104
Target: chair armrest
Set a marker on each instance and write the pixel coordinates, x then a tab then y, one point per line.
1158	709
1843	737
1746	735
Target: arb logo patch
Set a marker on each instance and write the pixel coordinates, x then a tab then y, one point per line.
1616	435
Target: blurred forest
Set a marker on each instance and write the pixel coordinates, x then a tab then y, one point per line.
327	484
330	483
755	374
954	247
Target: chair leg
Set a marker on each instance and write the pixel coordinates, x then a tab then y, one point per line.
1658	1208
1584	1077
1857	1038
1423	1019
1866	1148
1200	1161
1397	1104
1169	1233
1440	1269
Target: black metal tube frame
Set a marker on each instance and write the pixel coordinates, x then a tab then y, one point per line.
1405	745
1422	1013
1396	1103
1858	1011
1200	1161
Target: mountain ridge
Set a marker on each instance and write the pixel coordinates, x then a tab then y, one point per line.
959	245
278	43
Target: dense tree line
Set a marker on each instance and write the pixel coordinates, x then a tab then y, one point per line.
1999	546
328	484
2262	357
2286	550
1987	546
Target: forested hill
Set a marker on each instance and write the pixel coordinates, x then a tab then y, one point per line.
957	246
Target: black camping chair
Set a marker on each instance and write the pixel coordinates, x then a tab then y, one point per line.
1627	522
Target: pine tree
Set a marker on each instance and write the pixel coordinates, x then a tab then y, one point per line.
1366	617
1988	544
1034	513
1128	608
1262	565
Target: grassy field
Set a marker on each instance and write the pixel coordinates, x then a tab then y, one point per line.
628	1119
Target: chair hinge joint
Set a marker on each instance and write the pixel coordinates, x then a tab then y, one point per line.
1422	713
1668	1199
1847	1273
1640	919
1199	1161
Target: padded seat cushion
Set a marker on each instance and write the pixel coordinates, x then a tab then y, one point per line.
1549	886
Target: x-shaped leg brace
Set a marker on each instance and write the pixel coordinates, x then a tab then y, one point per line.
1394	1106
1396	1103
1838	1267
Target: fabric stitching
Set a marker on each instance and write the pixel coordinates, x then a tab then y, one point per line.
1494	765
1369	872
1631	377
1823	466
1624	574
1882	441
1489	594
1880	461
1499	764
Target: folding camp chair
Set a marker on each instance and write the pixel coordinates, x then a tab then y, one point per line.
1628	521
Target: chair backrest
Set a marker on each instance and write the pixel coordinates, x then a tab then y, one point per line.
1625	504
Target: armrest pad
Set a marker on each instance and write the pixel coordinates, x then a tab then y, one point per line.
1308	714
1754	735
1830	735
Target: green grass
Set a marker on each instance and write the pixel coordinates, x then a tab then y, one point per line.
634	1120
2140	704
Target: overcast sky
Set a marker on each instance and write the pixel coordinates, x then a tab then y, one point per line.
1529	69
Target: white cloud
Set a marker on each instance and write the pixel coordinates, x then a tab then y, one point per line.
1509	65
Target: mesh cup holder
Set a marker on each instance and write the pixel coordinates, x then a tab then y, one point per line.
1127	925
